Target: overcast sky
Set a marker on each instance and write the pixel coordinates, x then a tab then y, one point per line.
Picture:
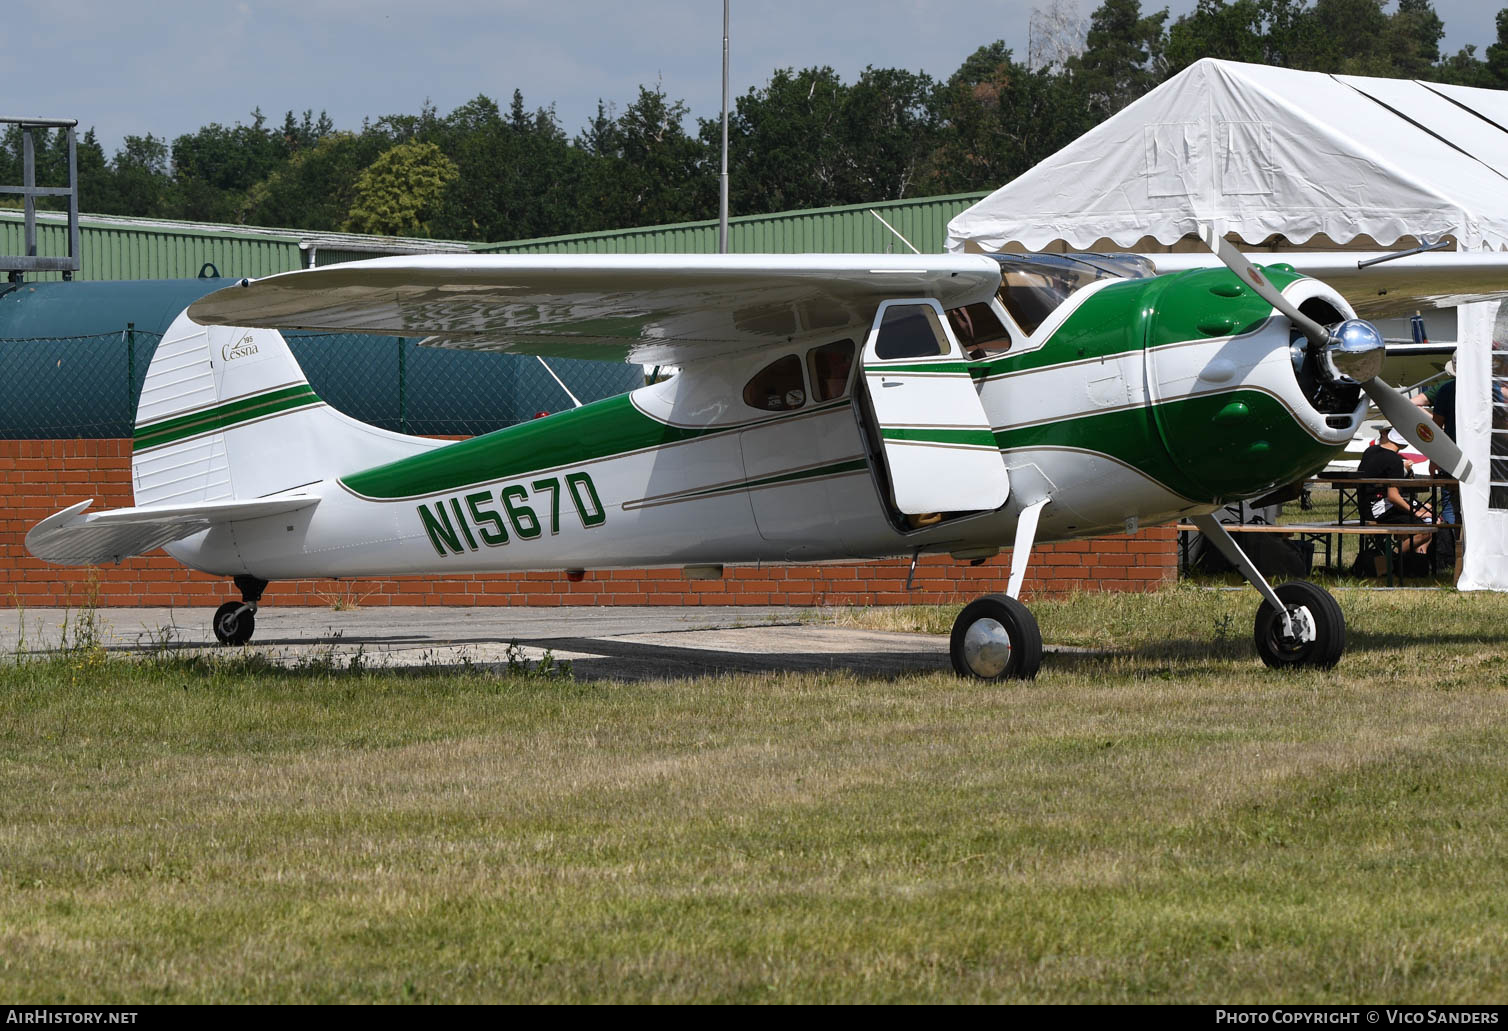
170	66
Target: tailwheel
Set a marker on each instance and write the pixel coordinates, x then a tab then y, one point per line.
996	638
1318	628
234	622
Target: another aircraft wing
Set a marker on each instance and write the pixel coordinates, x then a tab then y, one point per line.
665	309
1436	279
73	538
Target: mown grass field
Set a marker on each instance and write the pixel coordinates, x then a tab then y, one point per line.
1169	824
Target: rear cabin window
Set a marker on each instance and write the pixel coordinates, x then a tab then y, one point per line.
979	331
829	366
778	387
910	331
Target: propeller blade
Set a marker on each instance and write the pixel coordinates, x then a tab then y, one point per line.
1417	428
1249	274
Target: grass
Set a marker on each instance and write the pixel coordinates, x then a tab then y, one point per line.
1168	823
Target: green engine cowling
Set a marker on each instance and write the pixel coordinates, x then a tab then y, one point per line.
1230	404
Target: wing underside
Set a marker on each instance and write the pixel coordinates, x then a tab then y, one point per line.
656	308
1393	288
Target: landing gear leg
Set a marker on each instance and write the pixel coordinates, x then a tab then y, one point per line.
235	621
1298	623
996	637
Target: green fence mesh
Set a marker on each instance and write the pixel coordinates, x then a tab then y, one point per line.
87	386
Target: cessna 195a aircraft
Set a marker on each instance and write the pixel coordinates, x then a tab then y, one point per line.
828	407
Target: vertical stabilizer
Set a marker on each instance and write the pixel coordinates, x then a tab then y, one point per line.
226	412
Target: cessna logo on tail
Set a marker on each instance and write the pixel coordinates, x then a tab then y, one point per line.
243	348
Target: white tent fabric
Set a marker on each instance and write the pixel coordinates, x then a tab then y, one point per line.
1266	151
1485	565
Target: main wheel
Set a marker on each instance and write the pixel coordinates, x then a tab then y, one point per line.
996	638
1320	628
231	625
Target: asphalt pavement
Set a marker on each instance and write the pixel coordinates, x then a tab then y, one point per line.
610	642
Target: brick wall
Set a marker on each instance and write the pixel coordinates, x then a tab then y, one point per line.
38	477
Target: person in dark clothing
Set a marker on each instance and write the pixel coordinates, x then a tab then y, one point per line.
1443	404
1385	503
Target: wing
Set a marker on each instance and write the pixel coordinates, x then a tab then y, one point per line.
665	309
1398	287
73	537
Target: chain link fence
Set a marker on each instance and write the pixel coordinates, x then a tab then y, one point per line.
87	386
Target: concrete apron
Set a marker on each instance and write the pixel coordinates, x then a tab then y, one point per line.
601	643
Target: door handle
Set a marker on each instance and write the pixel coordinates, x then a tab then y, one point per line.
892	383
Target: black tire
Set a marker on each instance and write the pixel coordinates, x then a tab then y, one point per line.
231	628
1329	624
1005	643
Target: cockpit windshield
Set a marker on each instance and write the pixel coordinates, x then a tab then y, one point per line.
1033	285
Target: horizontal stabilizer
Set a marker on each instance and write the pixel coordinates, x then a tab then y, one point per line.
73	537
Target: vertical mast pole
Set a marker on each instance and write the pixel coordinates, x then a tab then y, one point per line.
722	180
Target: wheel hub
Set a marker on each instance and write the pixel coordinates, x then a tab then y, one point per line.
987	648
1302	623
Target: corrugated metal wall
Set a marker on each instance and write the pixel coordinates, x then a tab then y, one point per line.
853	229
119	249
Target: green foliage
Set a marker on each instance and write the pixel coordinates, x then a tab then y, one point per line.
999	118
398	192
805	139
1123	56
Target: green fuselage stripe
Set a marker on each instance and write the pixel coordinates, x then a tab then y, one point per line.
950	438
224	416
604	429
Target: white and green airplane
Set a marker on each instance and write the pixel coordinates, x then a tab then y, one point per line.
833	407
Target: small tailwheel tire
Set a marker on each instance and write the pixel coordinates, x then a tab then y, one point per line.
231	625
1320	628
996	638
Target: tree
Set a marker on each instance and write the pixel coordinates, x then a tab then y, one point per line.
1413	39
1495	73
1123	55
783	145
890	129
519	176
143	177
998	118
398	193
645	169
314	190
1232	32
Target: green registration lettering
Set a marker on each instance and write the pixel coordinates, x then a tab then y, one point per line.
483	516
525	522
589	507
438	527
553	486
455	503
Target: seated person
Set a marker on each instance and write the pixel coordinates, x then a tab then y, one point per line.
1386	503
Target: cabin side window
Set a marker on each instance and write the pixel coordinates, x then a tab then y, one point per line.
778	387
829	366
979	331
910	331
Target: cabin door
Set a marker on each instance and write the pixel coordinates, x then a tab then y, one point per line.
934	436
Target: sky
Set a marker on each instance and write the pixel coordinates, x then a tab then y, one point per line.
168	67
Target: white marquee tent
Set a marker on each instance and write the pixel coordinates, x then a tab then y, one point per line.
1311	158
